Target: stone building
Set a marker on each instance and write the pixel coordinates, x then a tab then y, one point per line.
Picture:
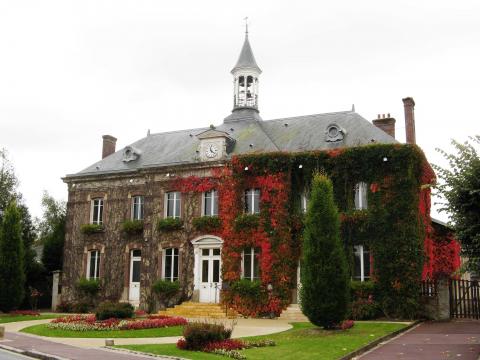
135	183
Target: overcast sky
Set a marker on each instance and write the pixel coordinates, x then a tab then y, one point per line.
71	71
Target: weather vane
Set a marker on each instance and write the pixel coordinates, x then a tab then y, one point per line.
246	24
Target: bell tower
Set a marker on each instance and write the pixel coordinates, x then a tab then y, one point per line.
245	84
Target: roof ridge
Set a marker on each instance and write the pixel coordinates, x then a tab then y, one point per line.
179	131
268	136
310	115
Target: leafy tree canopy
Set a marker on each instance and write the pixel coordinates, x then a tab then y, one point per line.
459	185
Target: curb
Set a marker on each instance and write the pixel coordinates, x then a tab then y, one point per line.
128	351
32	353
376	342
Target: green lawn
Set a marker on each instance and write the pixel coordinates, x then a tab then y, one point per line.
43	330
303	342
14	318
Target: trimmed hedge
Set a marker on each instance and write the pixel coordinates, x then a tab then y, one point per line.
108	310
198	334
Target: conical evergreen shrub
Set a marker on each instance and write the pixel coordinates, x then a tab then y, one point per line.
324	290
12	272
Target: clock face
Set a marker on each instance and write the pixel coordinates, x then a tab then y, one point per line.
212	151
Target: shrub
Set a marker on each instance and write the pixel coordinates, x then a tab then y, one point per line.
247	288
198	334
12	273
88	287
347	324
166	290
361	289
169	224
65	307
206	223
363	306
108	310
325	284
132	227
89	229
246	221
82	307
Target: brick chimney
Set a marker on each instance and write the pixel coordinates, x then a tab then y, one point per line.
385	123
409	106
109	143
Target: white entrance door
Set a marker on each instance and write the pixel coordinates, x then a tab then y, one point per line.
135	261
210	282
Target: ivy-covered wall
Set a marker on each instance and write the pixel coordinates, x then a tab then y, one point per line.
392	226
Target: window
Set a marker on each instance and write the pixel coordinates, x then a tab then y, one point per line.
304	201
210	203
252	201
170	264
250	264
93	264
361	269
137	207
96	212
361	193
173	204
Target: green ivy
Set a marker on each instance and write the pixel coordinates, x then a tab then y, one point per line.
169	224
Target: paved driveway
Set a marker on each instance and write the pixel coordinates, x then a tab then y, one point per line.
432	341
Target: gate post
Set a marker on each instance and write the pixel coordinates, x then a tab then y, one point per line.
55	289
443	310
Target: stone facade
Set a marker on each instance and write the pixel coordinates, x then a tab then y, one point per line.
115	246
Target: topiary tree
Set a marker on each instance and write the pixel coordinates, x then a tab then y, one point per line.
12	272
324	289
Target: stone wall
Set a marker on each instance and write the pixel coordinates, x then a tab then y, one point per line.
115	245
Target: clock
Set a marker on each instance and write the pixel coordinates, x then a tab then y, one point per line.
212	151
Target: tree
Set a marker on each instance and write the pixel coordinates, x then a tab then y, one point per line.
324	292
8	181
52	232
12	272
459	185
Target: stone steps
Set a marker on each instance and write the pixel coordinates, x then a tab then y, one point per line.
199	310
293	313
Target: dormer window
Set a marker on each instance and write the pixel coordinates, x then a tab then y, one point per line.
334	133
130	154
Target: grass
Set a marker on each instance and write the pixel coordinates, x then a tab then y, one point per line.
305	341
43	330
14	318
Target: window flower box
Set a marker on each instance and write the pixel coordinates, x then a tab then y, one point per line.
246	221
169	224
207	223
132	227
89	229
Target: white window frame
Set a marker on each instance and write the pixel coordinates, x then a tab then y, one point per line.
164	264
361	196
99	220
250	193
97	265
214	196
360	250
177	196
138	200
254	257
304	201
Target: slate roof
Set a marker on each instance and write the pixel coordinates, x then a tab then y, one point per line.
292	134
246	60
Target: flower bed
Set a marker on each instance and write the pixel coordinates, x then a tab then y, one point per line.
24	312
89	322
